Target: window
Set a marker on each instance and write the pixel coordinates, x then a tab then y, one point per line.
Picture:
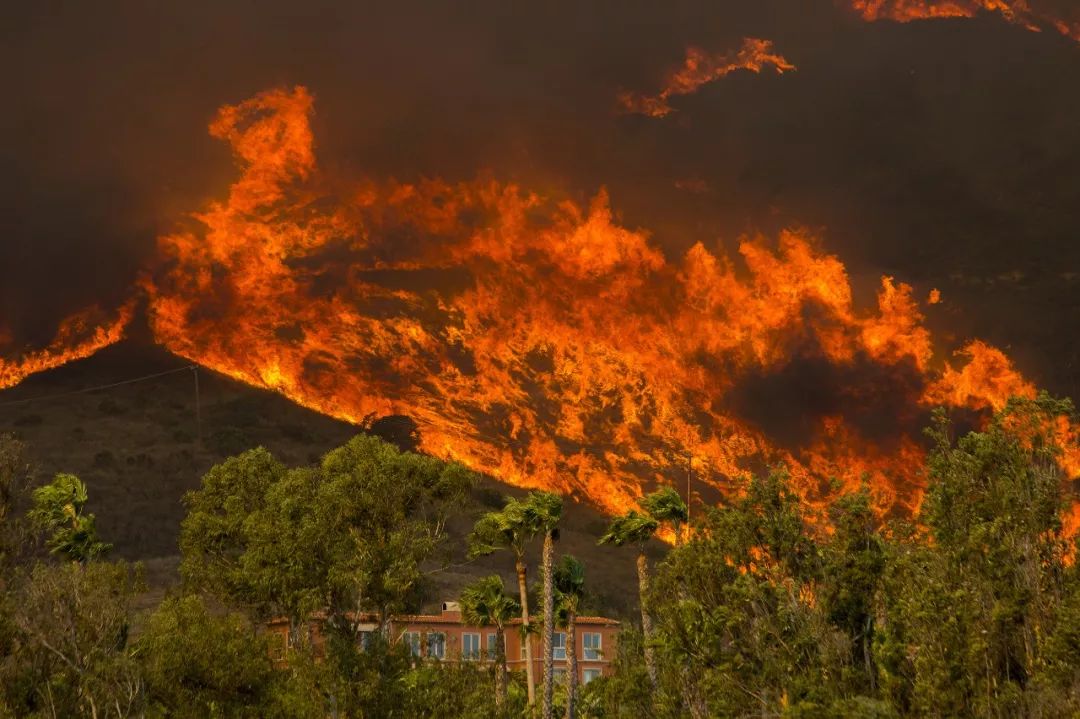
278	646
365	640
436	645
593	646
589	674
412	640
470	646
558	675
492	645
558	646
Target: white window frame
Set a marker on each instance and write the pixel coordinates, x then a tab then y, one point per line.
412	640
439	644
589	674
470	654
558	646
492	645
592	654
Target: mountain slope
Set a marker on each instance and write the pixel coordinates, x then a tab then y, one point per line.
137	446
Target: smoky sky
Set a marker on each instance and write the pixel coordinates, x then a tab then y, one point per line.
946	153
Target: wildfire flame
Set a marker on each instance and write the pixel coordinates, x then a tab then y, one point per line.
1018	12
700	68
78	336
541	341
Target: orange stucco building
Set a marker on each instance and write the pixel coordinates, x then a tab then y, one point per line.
444	637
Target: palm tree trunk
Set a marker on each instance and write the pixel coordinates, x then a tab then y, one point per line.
571	663
549	624
523	591
500	666
646	618
292	639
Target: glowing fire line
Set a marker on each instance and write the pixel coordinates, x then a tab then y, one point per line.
78	337
700	68
1017	12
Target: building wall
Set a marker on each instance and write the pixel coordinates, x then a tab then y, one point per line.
606	628
449	624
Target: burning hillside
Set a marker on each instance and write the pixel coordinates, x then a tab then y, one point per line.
1018	12
700	68
78	336
541	341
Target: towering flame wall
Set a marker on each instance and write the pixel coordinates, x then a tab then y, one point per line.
541	341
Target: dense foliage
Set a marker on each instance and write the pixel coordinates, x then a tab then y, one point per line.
760	609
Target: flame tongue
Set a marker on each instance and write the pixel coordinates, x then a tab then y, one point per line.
1018	12
78	336
700	68
540	340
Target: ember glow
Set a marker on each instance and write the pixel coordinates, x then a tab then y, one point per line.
78	336
700	68
1018	12
541	341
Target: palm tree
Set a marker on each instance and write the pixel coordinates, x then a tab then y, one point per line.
635	528
667	506
570	588
511	528
547	508
58	511
486	603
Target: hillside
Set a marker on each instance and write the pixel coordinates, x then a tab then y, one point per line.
137	446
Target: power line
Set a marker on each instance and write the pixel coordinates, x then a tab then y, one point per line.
88	390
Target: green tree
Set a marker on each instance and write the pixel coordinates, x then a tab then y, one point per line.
453	691
486	603
738	631
386	512
71	656
58	512
1057	682
15	478
666	506
197	664
346	536
548	509
637	529
625	693
354	679
570	592
970	603
511	528
853	563
215	532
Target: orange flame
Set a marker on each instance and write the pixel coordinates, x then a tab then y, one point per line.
1017	12
539	340
78	336
700	68
987	381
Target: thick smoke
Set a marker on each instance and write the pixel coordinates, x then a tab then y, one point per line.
946	152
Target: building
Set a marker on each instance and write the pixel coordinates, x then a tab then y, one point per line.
444	637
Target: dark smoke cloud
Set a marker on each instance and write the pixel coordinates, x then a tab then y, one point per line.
946	153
